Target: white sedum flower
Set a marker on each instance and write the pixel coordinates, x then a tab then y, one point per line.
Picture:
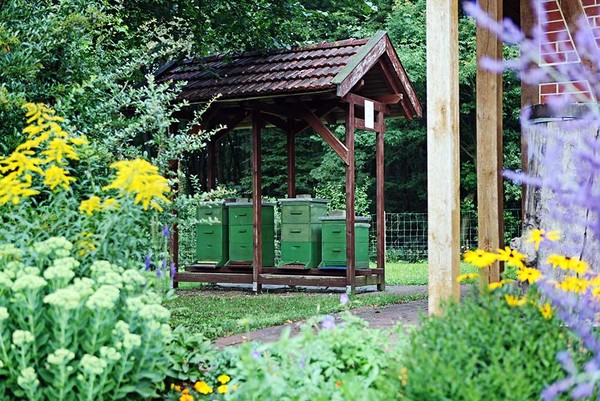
92	365
10	251
28	378
154	312
61	356
28	282
121	328
131	341
101	267
134	304
109	354
111	278
61	269
104	297
59	245
3	313
133	280
84	286
5	281
21	337
64	298
166	332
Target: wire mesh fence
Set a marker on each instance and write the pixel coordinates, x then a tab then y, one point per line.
406	234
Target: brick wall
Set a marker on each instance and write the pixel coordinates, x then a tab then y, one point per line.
559	48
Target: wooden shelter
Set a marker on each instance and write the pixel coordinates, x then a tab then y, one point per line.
357	82
561	18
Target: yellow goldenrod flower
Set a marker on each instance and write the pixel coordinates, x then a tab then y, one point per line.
529	274
511	257
546	310
223	379
59	149
91	205
86	246
82	140
468	276
222	389
110	203
480	258
140	178
573	284
202	387
20	163
537	236
513	300
57	176
12	189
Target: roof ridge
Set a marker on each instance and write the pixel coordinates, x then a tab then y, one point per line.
270	52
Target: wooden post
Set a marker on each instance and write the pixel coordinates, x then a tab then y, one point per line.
380	199
489	145
443	152
256	204
174	238
350	189
291	152
211	168
530	94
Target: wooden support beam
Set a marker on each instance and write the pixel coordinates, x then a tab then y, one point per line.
256	204
359	123
332	140
389	99
230	125
443	149
530	94
291	160
350	184
489	145
275	121
360	101
380	197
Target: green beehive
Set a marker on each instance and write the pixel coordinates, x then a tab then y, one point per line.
241	242
301	231
334	242
211	234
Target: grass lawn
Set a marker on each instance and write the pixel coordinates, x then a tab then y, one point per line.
221	313
399	273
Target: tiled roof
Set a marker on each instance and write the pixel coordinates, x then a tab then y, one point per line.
299	69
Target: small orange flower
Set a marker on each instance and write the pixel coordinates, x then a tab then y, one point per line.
338	383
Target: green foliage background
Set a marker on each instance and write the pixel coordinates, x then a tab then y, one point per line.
91	62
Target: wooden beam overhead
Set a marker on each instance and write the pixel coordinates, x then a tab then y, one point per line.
489	145
316	124
443	149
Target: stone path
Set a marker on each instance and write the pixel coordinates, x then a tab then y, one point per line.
378	317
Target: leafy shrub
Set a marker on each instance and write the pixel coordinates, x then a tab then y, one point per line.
70	331
324	362
484	349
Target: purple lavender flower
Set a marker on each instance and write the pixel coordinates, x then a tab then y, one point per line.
148	261
166	232
344	299
328	322
256	354
583	390
173	270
